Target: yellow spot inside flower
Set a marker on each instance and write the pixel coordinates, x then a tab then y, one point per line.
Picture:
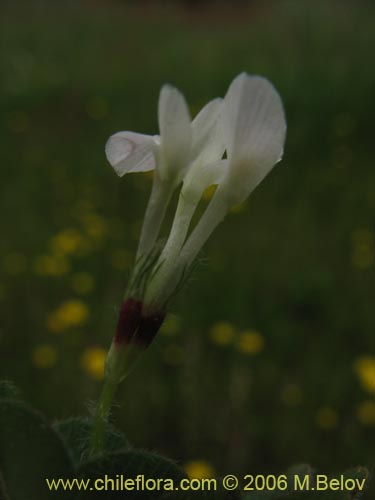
291	395
70	314
199	469
51	265
236	209
44	356
250	342
327	418
209	192
222	333
366	413
171	325
365	370
93	362
82	283
173	355
97	108
67	242
14	263
121	259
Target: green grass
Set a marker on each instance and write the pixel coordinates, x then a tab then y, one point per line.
296	265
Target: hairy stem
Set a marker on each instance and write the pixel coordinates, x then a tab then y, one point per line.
101	416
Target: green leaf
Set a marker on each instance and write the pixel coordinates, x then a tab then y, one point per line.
8	390
76	434
30	452
119	466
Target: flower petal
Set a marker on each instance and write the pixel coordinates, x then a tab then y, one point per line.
254	127
200	178
175	130
131	152
207	141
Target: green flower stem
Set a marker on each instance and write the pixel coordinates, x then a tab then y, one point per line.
101	416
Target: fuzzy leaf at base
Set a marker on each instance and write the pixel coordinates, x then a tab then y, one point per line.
30	452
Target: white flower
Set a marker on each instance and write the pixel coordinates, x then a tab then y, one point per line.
232	143
253	128
182	145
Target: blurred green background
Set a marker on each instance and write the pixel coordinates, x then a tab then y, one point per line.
268	356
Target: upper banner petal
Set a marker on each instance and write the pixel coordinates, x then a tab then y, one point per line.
174	125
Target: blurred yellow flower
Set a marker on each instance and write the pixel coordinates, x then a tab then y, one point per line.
250	342
327	418
70	314
291	394
366	413
222	333
44	356
199	469
14	263
82	282
66	242
121	259
51	265
365	370
171	325
93	362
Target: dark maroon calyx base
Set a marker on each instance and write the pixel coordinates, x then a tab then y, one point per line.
148	328
135	328
129	318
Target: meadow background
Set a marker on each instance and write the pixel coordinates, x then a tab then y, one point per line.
267	358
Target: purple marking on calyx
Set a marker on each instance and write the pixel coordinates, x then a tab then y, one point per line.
129	319
148	328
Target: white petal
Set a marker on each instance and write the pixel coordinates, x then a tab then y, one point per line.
254	127
175	130
131	152
200	178
207	142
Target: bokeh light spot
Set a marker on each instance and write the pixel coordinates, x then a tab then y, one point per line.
70	314
364	367
44	356
199	469
222	333
366	413
93	362
250	342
